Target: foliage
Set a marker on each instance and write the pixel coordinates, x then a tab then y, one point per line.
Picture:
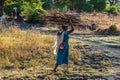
27	8
8	8
33	17
89	7
80	4
8	2
112	29
62	5
24	6
113	2
112	9
32	10
48	4
1	7
99	5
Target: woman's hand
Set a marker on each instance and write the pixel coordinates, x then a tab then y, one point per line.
72	27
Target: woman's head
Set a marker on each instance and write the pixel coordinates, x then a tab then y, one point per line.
64	28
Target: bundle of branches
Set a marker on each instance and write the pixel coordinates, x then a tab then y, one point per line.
61	18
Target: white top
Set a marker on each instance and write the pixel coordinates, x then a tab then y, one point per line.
58	41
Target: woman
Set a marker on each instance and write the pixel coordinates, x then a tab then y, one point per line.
62	46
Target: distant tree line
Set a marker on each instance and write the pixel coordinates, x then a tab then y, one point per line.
62	5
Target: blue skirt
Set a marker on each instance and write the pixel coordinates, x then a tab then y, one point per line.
63	56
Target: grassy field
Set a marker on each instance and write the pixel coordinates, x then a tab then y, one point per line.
29	55
18	46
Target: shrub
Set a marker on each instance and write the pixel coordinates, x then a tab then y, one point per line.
25	8
99	5
89	7
112	9
8	8
33	17
112	29
28	7
31	11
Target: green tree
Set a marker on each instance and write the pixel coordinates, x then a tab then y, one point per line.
88	7
80	5
113	2
113	7
99	5
48	4
62	4
1	7
58	4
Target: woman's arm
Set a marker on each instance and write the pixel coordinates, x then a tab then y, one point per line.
72	27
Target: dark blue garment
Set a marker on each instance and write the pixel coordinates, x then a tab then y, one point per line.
63	55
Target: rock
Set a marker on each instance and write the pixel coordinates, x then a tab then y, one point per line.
4	78
40	77
93	26
63	78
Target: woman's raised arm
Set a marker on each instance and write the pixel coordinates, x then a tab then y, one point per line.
72	27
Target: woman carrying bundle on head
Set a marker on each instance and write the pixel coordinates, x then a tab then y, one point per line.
62	46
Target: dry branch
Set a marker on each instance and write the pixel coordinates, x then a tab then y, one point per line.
62	18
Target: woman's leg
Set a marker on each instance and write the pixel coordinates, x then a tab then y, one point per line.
56	65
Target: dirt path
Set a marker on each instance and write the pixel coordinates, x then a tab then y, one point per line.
98	46
103	48
113	52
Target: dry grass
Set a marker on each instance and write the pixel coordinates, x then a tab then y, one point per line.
32	51
102	19
25	49
17	46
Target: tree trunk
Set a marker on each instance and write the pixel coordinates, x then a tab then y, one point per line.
1	7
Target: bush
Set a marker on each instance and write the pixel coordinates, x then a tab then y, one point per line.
30	10
99	5
25	8
112	9
8	8
89	7
112	29
63	7
33	17
28	7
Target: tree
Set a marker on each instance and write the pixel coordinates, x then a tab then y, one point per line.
48	4
58	4
1	7
113	2
99	5
65	4
80	5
